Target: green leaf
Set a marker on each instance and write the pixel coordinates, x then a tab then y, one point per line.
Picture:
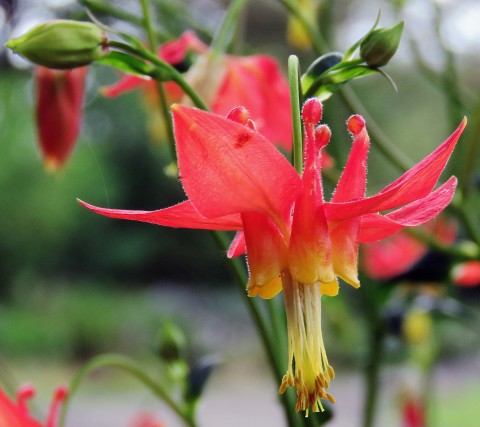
127	63
330	81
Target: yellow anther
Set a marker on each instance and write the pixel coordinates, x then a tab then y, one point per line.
330	398
331	372
291	382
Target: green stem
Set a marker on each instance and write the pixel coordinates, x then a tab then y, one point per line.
436	80
147	21
471	154
293	79
449	75
381	141
164	108
163	66
279	329
225	32
374	360
260	324
470	228
128	365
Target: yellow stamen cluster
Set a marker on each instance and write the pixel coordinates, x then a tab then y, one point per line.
308	371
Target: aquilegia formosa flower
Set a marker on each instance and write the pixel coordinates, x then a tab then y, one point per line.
16	414
59	101
236	180
224	82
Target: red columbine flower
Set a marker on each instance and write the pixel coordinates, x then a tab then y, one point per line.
59	112
226	82
16	414
295	241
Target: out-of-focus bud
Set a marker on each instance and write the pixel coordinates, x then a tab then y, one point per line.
172	342
322	64
58	112
467	274
61	44
417	326
297	35
380	45
199	374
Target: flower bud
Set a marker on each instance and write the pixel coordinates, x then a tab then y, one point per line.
61	44
380	45
172	342
323	63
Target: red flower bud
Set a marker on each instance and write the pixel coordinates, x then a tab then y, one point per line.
59	112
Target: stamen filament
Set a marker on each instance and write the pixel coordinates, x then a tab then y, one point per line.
308	369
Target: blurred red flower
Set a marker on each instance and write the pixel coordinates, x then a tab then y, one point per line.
16	414
224	82
58	112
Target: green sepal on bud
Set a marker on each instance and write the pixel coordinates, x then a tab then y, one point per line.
61	44
380	45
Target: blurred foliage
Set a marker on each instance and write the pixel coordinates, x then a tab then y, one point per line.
75	321
45	233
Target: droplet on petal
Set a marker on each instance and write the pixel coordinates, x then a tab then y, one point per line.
239	115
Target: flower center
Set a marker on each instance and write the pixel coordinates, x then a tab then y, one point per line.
308	368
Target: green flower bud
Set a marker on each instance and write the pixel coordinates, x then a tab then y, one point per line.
61	44
322	64
380	45
172	342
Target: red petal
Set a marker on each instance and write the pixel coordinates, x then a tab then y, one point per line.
345	251
353	180
310	252
467	274
414	184
257	83
59	112
391	257
227	168
267	253
183	215
12	415
126	84
238	246
176	50
376	227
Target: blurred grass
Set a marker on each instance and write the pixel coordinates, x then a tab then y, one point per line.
74	321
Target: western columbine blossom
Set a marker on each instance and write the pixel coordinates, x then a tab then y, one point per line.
236	180
16	414
224	82
58	112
